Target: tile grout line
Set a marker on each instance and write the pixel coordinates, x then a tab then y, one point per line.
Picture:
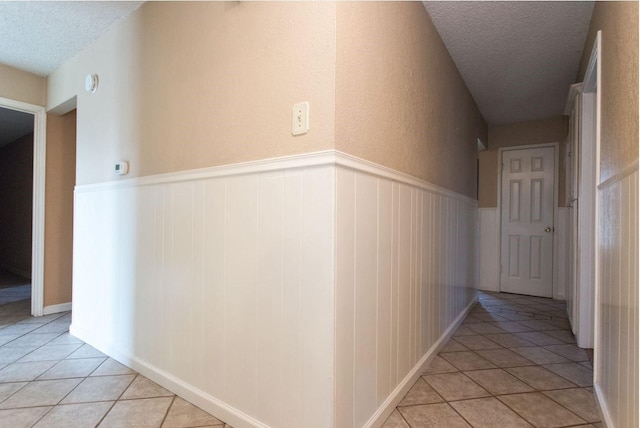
540	392
173	400
121	399
43	416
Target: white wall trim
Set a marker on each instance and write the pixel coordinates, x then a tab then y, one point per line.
587	178
39	162
55	309
385	410
620	175
592	83
574	91
592	73
561	252
305	160
205	401
361	165
602	407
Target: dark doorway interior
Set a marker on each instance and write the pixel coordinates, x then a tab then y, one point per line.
16	205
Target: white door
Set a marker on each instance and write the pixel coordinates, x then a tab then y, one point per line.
526	242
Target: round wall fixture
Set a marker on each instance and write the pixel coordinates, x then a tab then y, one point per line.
91	83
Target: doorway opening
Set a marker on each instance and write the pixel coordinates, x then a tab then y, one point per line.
16	194
61	180
36	269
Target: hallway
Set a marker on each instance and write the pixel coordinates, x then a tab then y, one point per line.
512	363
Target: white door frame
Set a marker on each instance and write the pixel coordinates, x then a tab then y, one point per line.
556	146
39	163
584	223
573	109
586	177
591	85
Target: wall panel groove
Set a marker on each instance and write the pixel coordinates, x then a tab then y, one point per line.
616	362
292	295
432	255
220	286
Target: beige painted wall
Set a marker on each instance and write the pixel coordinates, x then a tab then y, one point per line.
220	90
188	85
16	194
22	86
552	130
60	178
400	101
619	133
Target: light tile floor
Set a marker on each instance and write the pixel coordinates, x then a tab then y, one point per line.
50	379
512	363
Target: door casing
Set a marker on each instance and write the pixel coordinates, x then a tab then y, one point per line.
39	162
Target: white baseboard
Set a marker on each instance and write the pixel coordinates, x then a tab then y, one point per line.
239	419
602	407
55	309
385	410
206	402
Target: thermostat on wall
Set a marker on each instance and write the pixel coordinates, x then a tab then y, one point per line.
121	168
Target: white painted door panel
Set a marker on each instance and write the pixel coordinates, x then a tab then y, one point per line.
527	221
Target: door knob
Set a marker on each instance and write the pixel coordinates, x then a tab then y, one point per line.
547	229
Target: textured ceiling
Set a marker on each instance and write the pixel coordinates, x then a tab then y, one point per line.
39	36
517	58
13	125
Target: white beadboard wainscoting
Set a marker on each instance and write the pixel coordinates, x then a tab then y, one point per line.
616	358
304	291
405	275
489	248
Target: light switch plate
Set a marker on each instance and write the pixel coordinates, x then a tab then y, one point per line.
300	118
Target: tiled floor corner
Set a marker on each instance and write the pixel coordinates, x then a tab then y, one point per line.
512	363
50	379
